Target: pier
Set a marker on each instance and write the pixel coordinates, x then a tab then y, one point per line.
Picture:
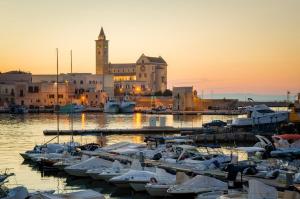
103	131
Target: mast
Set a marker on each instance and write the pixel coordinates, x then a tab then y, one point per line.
71	63
72	119
57	113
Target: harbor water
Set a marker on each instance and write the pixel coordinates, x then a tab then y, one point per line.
19	133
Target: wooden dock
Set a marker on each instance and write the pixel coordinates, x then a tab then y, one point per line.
103	131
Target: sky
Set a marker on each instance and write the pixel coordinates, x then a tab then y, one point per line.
217	46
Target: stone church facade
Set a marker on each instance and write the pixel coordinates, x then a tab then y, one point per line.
147	75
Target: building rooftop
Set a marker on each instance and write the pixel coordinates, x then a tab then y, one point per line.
16	72
156	59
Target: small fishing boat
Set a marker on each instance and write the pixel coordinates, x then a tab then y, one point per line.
198	184
81	168
127	106
111	106
117	169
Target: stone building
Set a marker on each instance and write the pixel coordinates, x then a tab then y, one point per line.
183	98
146	76
41	90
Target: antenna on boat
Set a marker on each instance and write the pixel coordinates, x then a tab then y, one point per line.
57	109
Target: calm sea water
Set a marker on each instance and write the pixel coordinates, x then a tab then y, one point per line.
20	133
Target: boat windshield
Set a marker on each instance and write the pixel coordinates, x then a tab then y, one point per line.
265	111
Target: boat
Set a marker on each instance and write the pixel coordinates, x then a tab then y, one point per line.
18	192
257	189
159	185
136	177
127	106
260	115
86	194
93	173
71	108
117	169
18	109
81	168
111	106
198	184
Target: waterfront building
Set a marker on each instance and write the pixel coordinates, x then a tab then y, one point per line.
148	75
34	91
184	99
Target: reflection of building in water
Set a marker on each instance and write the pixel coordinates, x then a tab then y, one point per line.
101	140
83	120
138	139
137	120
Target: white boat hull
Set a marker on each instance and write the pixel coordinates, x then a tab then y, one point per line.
138	186
111	109
264	120
157	190
127	108
76	172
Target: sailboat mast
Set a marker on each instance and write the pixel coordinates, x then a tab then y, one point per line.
72	119
71	63
57	113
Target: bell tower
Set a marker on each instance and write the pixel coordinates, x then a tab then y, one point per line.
101	54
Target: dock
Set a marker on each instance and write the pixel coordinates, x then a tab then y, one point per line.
104	131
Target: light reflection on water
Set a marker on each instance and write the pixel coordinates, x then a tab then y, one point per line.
22	132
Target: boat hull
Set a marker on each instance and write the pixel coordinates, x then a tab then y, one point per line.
111	109
76	172
157	190
127	108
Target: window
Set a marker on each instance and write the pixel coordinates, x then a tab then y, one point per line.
12	92
74	81
81	81
265	111
51	96
6	90
30	89
36	89
96	96
145	75
60	96
21	93
140	75
90	82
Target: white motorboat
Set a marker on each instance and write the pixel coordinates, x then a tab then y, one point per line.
127	106
198	184
19	192
257	189
117	169
111	106
48	148
60	165
87	194
260	115
159	185
93	173
136	177
81	168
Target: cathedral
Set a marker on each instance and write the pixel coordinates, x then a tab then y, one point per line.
148	75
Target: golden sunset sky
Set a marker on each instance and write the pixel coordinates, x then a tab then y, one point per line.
219	46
